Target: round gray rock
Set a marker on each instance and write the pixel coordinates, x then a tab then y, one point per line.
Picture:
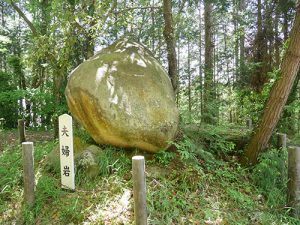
123	96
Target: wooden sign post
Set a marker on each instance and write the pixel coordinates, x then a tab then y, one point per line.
139	190
293	195
66	152
28	172
21	127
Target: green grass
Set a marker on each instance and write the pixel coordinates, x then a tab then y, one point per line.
189	186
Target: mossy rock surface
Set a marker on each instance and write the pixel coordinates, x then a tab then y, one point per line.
123	97
85	156
88	160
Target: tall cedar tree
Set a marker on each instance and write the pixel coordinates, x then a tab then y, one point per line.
209	115
170	40
278	96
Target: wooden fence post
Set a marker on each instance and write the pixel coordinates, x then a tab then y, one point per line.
21	128
139	190
281	140
281	145
249	124
293	195
28	172
2	121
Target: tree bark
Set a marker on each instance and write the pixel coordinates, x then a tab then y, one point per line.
287	122
259	77
178	69
242	8
236	76
208	93
277	39
278	96
189	81
200	60
170	41
29	23
285	26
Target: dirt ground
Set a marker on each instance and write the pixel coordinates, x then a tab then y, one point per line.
10	137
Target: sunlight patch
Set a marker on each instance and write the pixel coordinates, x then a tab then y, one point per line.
141	63
101	73
116	211
132	57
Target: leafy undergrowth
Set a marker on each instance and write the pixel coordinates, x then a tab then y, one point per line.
191	185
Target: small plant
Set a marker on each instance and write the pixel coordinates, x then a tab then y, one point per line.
270	175
241	199
113	160
72	211
10	174
47	190
189	151
165	157
84	136
41	150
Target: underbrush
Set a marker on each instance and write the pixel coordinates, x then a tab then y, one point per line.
201	182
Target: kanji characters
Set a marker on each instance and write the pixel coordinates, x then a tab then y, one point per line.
66	171
65	131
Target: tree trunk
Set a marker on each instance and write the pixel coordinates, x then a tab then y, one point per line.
170	41
259	76
58	79
189	82
236	42
278	96
208	93
90	39
277	39
242	8
287	121
200	60
285	25
178	69
268	21
3	23
153	27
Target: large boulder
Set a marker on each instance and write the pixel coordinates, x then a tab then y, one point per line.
122	96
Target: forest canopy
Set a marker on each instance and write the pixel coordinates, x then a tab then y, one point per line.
217	117
222	57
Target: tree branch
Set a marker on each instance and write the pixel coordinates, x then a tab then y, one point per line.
181	7
29	23
140	8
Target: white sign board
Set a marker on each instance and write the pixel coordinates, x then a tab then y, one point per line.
66	152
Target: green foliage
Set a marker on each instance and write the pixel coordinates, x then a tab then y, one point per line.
190	151
245	201
187	150
251	103
41	150
10	175
210	141
110	161
169	202
72	211
270	175
84	135
164	157
113	161
9	97
47	190
181	189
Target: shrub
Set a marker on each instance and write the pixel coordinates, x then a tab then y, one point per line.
270	175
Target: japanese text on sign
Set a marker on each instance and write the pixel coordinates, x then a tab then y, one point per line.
66	152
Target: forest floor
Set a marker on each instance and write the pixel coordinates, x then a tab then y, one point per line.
10	137
201	182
